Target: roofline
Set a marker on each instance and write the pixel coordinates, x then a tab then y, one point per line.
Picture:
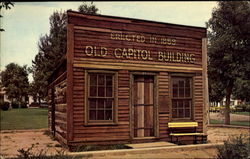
151	21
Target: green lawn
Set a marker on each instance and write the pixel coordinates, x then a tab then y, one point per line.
242	113
24	118
239	123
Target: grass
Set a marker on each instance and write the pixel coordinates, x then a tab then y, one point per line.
242	113
24	118
238	123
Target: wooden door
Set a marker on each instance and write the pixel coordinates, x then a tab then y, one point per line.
143	106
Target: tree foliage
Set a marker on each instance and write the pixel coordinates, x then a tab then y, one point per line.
229	47
52	48
6	5
242	90
88	8
15	80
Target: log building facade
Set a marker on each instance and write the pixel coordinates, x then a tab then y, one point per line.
122	80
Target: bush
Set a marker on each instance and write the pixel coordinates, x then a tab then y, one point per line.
27	154
243	107
15	104
4	105
23	105
236	147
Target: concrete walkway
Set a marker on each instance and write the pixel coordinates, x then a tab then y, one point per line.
151	144
183	151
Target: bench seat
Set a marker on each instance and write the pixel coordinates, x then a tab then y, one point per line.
177	129
184	134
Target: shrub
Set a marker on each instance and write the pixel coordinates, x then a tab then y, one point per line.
4	105
23	105
15	104
243	107
27	154
236	147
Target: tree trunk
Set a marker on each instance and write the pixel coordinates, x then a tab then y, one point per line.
39	100
227	108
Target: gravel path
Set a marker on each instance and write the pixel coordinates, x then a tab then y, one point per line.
233	117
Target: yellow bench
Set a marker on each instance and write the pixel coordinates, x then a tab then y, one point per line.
176	129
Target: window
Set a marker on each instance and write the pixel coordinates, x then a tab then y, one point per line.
101	97
181	97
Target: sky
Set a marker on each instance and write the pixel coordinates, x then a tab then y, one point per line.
26	22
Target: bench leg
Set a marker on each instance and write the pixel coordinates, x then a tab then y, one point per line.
195	139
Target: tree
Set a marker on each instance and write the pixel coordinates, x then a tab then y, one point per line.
7	5
88	8
52	48
216	92
15	80
242	89
229	46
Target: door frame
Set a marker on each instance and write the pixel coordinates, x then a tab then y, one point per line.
131	104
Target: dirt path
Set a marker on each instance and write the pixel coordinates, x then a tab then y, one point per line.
219	134
11	141
233	117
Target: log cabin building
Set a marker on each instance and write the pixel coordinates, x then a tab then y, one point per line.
123	80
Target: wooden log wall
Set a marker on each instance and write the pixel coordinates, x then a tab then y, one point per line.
58	106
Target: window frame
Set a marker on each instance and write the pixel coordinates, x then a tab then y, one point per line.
114	121
192	109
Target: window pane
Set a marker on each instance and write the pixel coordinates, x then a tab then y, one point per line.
109	92
100	104
174	104
181	91
180	113
93	79
100	87
109	80
181	83
100	115
187	103
187	92
174	115
187	82
92	104
109	103
93	91
187	113
180	104
92	115
175	92
100	80
175	83
108	115
101	92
